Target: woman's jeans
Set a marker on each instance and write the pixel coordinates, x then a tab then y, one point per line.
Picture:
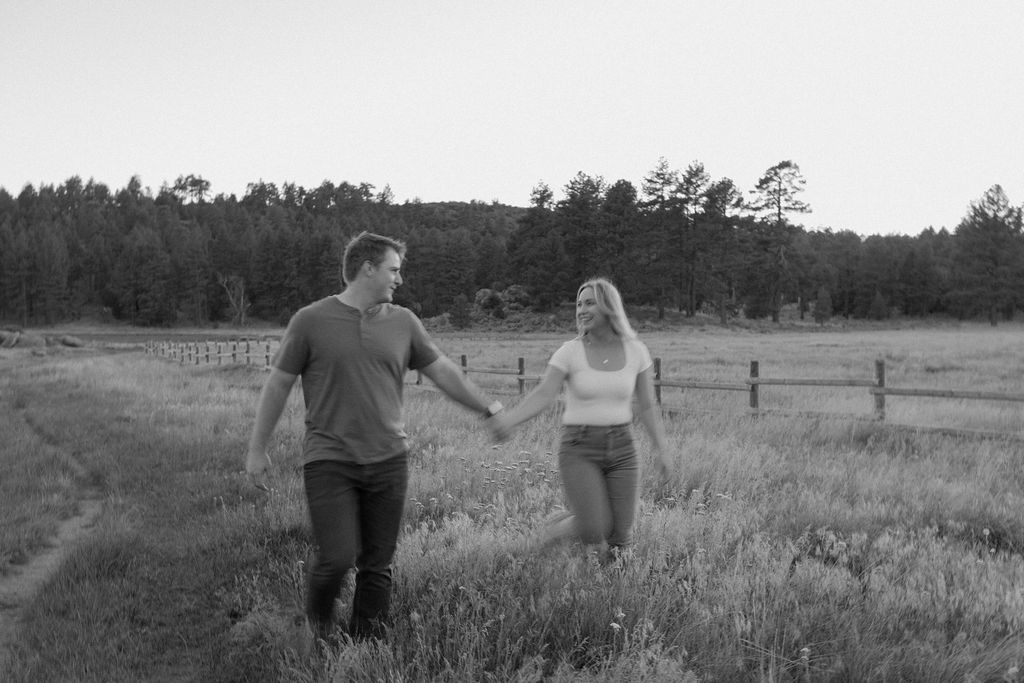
356	514
601	476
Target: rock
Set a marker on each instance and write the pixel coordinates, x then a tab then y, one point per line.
11	338
29	340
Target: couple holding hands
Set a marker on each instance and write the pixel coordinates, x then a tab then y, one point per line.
352	351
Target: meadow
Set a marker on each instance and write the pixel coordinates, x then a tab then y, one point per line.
786	547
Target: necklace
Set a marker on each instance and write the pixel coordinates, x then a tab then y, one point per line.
591	345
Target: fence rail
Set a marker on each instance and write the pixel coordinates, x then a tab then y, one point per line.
261	353
944	393
245	352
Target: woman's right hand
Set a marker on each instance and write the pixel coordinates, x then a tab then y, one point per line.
500	427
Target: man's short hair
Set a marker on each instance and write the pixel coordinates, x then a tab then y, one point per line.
367	246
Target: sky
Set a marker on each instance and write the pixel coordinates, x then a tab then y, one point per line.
900	114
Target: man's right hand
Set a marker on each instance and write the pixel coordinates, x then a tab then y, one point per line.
256	465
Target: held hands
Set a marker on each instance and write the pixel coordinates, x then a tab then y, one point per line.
500	427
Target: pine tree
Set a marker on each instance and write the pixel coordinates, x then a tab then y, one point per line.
990	257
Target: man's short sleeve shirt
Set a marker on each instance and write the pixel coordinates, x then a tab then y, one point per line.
353	367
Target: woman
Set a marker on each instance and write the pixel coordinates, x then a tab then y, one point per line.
602	368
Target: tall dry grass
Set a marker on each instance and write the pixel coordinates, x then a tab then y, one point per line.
786	548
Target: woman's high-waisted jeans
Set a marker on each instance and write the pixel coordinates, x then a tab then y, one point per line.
601	475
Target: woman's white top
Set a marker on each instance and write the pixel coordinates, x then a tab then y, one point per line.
599	397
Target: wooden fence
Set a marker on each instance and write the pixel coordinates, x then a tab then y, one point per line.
876	389
244	351
261	352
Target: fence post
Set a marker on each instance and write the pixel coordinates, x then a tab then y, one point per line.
880	383
220	352
207	346
234	352
657	380
248	352
267	356
522	373
755	372
465	365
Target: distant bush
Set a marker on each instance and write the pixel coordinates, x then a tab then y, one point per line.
490	302
516	297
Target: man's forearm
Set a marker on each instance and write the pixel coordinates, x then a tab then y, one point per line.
454	384
272	401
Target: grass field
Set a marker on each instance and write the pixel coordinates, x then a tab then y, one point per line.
786	548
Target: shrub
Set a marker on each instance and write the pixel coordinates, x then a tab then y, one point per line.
516	297
490	302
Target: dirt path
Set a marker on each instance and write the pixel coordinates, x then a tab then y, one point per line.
18	588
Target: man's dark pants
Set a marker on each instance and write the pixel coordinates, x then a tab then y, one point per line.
356	514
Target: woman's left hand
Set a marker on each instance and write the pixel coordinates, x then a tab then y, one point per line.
664	465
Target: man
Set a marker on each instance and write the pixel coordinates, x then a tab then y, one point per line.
352	351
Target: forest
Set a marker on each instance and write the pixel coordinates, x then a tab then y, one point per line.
681	241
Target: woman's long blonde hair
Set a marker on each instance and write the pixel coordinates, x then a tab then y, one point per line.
609	302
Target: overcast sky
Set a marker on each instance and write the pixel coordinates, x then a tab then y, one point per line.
900	113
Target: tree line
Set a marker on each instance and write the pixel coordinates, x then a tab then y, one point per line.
681	241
